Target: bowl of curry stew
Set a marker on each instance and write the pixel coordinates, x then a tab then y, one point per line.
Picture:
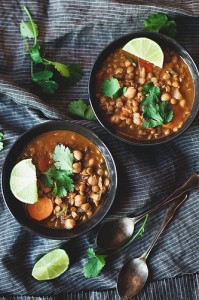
123	114
76	179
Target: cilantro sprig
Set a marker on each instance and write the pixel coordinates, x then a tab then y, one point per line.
48	69
97	262
161	23
60	176
111	88
80	109
1	140
155	112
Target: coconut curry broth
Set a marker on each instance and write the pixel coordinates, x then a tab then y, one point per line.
91	179
124	114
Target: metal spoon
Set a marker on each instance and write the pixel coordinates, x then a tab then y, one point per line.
134	273
115	233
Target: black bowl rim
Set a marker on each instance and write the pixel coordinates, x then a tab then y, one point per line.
34	226
118	43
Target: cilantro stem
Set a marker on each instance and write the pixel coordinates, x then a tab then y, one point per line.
32	23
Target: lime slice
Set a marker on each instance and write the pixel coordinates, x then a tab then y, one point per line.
23	181
51	265
146	49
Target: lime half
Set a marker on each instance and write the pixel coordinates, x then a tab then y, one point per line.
146	49
23	181
51	265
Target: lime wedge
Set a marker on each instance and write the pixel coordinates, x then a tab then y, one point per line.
146	49
51	265
23	181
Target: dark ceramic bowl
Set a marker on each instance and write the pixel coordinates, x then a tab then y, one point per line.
162	40
16	207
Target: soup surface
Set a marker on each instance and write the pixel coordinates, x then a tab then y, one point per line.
133	112
89	178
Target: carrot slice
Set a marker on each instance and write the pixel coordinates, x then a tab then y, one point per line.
40	210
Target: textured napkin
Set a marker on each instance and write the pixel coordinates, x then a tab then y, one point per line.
76	31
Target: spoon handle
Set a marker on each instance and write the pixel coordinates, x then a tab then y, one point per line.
191	183
168	216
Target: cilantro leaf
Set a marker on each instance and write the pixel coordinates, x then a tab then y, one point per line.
81	109
166	112
75	72
155	112
160	23
63	158
63	183
42	78
62	69
49	176
110	87
94	265
35	54
26	30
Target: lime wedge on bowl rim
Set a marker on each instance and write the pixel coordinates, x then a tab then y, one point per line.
51	265
23	181
146	49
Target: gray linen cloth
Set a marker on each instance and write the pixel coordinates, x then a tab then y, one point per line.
76	31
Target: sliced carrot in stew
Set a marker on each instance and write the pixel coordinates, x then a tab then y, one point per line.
40	210
43	163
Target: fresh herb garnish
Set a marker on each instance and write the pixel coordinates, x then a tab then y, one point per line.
81	109
160	23
1	140
44	78
111	88
60	176
97	262
155	112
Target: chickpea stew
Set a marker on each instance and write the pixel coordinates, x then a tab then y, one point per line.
74	196
125	111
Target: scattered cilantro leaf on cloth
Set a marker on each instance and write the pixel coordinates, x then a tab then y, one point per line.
94	265
97	262
1	140
71	73
81	109
43	79
155	111
110	87
161	23
63	158
60	176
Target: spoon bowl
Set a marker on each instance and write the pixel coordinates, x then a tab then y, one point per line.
134	273
132	277
115	233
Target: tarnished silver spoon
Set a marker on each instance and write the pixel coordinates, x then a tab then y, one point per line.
134	273
117	232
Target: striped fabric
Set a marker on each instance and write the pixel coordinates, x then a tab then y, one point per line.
76	31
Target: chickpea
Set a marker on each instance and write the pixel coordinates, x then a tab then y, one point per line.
100	172
130	93
129	121
58	200
74	215
73	208
143	72
166	76
119	70
106	182
173	101
82	188
167	131
77	154
91	162
141	80
182	103
79	200
89	171
106	173
119	104
95	188
89	213
130	69
115	118
86	207
77	167
92	180
175	84
84	218
70	223
127	63
165	97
